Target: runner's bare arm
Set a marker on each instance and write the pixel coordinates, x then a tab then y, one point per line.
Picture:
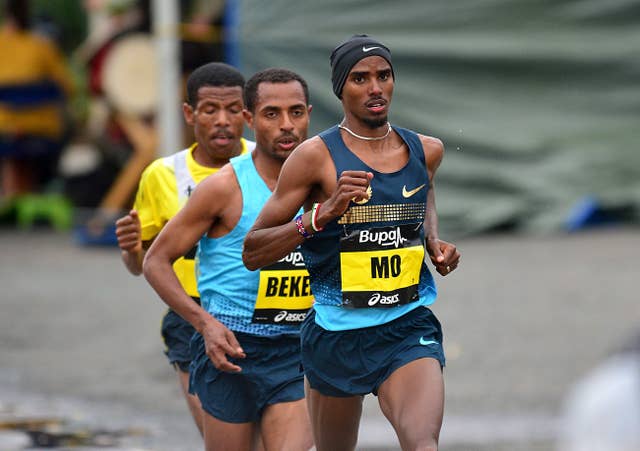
177	237
274	234
433	153
307	176
132	248
443	255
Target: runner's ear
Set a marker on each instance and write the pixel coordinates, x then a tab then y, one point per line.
248	117
187	112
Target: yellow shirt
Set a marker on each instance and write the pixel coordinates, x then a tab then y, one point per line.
27	58
165	186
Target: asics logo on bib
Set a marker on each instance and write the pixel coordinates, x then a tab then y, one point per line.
377	298
383	238
290	317
294	258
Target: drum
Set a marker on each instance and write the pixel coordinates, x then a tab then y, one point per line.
130	75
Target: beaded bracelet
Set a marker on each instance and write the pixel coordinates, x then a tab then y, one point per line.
300	226
314	217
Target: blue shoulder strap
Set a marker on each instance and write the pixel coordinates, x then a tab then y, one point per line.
331	137
412	139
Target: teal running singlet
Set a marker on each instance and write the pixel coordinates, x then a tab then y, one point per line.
368	267
272	301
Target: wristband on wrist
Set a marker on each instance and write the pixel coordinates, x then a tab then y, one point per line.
301	229
314	217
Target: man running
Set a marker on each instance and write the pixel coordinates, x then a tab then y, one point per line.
246	369
214	110
367	188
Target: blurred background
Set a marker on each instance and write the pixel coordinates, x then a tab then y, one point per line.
537	103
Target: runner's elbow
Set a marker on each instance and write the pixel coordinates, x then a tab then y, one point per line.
249	254
150	265
250	261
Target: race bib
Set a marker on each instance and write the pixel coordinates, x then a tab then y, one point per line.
380	267
284	293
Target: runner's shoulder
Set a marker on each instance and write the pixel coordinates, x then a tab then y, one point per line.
311	151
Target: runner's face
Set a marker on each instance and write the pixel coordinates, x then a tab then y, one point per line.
367	93
217	121
281	118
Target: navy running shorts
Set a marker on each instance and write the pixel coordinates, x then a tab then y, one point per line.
177	333
357	361
271	373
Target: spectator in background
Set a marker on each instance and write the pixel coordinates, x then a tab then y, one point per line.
200	39
34	83
201	33
122	77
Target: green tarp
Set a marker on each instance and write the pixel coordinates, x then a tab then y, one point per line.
537	102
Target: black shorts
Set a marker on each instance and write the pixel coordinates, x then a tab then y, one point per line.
271	374
357	361
177	333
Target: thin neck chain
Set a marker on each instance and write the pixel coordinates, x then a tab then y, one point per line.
366	138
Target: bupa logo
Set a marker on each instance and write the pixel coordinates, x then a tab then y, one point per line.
377	298
294	259
290	317
383	238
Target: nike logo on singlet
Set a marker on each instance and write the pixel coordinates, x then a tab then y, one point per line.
407	194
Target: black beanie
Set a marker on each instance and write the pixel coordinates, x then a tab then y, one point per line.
348	53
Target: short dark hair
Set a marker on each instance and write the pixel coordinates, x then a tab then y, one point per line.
212	74
271	75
